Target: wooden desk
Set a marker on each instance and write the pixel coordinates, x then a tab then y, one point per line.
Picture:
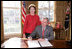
55	43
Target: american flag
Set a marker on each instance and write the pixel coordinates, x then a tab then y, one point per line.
23	12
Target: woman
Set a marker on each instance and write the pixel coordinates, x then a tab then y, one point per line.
31	21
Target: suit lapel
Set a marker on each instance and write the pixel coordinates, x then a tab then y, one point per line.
41	28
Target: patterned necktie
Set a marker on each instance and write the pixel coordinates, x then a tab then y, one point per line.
43	34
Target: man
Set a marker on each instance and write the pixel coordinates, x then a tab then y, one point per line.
43	31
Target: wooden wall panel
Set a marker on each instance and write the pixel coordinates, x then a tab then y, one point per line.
2	31
61	7
60	11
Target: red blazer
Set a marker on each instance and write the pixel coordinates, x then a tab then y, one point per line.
30	23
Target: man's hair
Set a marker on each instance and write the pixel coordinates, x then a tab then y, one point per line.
45	18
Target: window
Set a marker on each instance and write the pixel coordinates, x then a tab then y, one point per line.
46	9
12	17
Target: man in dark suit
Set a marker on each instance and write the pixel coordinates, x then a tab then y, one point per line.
43	31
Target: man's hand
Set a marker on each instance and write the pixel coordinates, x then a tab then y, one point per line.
40	39
30	38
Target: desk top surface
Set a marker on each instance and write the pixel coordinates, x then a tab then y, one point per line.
23	43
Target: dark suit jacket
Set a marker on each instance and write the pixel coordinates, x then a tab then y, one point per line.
49	34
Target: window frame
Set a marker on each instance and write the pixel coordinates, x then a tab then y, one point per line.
53	10
7	36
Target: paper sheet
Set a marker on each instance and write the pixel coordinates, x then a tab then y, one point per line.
13	43
33	44
45	43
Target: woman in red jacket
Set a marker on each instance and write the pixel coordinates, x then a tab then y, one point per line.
31	21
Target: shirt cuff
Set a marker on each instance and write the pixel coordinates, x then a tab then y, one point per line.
46	39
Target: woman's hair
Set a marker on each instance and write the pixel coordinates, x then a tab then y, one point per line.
32	5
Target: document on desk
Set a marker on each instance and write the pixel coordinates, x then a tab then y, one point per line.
13	43
36	43
33	44
45	43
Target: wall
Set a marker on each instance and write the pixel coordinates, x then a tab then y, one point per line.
60	11
2	34
70	27
60	15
